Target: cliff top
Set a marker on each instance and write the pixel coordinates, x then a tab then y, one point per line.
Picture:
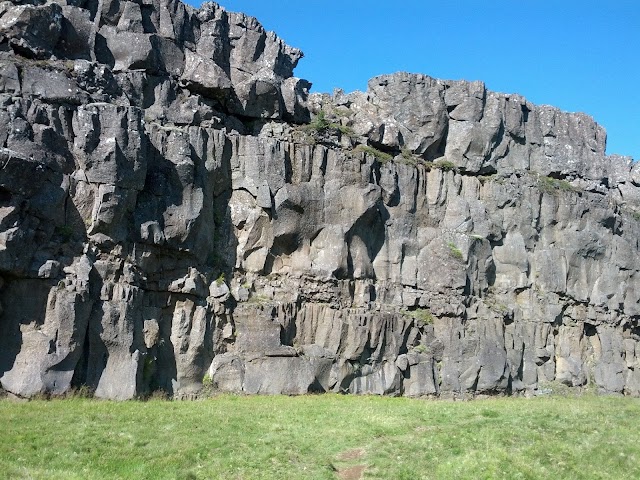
211	67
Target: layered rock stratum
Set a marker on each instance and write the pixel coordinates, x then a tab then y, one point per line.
177	209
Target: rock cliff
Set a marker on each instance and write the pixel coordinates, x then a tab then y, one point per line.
177	209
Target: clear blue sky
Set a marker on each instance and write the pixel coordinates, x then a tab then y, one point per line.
577	55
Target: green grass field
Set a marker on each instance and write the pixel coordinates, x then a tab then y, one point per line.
322	437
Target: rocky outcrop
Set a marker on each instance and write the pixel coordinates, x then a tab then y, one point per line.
170	214
177	63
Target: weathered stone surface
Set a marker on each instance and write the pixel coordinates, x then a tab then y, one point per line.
76	33
204	75
50	86
9	78
31	30
404	111
161	221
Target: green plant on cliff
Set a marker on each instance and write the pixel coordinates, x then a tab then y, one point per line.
208	387
629	212
494	177
408	158
319	123
64	66
454	251
445	165
344	129
553	185
422	316
381	156
406	153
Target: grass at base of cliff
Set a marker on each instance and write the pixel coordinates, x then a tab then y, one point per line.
321	437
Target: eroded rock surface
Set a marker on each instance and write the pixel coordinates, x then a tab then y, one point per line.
168	217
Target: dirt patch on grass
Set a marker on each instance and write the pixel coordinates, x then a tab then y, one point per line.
352	473
353	454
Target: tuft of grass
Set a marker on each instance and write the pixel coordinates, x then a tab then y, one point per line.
406	153
408	158
159	396
553	185
321	125
208	388
454	251
220	279
445	165
422	316
343	129
421	348
64	66
381	156
82	391
319	436
497	306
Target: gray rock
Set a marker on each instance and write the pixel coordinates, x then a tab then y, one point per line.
76	33
227	373
50	86
9	79
112	150
32	30
493	249
205	76
286	375
421	380
169	57
263	199
126	50
405	111
219	290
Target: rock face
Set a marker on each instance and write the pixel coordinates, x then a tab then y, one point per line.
169	216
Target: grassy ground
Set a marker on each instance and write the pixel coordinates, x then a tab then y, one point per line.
322	437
